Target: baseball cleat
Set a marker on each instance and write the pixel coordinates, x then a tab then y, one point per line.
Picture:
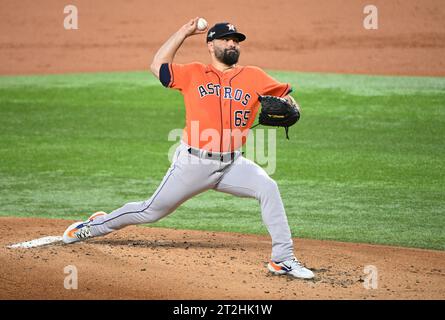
290	267
95	215
78	231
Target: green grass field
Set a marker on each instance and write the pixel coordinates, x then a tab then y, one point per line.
364	164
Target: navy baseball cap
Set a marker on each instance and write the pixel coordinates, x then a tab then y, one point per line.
224	29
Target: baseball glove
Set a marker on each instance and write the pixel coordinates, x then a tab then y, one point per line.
278	112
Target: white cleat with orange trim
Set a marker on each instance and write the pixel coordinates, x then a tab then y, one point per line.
290	267
80	231
96	214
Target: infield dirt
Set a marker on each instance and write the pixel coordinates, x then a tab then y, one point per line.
158	263
319	36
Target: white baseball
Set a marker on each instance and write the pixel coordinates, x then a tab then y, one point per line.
202	24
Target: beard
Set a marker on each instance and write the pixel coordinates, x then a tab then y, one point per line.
227	56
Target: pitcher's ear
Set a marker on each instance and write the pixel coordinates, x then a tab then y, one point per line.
210	46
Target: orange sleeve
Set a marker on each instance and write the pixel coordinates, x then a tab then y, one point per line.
176	76
271	87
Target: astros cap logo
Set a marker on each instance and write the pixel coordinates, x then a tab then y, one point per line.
224	29
231	27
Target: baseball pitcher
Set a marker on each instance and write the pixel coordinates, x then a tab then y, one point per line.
221	101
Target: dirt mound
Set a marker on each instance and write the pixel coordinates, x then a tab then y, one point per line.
321	36
155	263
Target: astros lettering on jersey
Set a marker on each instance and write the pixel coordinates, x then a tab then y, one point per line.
223	101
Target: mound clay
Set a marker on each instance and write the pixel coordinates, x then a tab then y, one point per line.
157	263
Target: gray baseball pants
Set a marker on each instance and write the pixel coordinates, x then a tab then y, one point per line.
190	175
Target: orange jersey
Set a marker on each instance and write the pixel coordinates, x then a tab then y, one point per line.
220	106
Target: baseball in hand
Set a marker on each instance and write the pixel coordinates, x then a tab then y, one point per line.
202	24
